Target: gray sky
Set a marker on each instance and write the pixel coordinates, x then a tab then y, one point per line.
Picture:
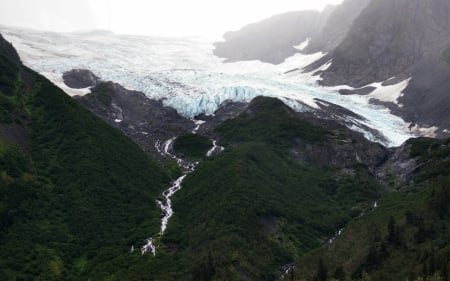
149	17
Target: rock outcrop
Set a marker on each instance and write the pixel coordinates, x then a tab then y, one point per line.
80	78
143	120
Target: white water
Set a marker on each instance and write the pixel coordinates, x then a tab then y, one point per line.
214	149
166	204
188	77
335	236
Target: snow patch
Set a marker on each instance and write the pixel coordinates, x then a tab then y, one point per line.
426	132
303	45
389	93
58	81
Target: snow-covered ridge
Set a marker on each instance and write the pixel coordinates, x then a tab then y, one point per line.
188	77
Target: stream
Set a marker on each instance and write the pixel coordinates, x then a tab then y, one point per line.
166	203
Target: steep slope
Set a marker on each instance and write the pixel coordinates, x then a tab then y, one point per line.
337	25
249	211
400	39
271	40
75	193
406	236
142	119
389	38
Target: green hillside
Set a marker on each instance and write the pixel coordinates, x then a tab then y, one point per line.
75	194
247	212
406	237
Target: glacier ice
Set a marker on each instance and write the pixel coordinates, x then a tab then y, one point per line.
185	75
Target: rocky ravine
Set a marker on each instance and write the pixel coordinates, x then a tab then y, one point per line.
146	121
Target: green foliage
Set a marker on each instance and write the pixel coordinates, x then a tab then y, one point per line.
192	146
322	273
433	154
407	235
268	120
252	209
72	208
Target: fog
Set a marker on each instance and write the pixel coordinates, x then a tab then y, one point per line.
149	17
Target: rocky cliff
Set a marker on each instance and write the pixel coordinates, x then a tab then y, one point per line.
400	39
271	40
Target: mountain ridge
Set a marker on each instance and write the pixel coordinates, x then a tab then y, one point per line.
387	42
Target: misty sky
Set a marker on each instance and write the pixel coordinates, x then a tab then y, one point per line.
150	17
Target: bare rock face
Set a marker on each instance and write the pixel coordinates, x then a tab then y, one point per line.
143	120
388	39
80	78
402	39
338	22
271	40
343	148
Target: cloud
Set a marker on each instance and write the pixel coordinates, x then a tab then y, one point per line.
156	17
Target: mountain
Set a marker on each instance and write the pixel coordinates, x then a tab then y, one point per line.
78	197
406	236
339	19
247	212
388	39
144	120
272	40
398	40
250	43
75	194
395	52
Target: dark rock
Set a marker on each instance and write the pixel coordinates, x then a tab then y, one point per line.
343	148
389	38
80	78
401	39
361	91
338	22
227	110
318	63
143	120
427	97
398	168
271	40
8	52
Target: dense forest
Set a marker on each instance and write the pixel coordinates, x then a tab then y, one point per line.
291	197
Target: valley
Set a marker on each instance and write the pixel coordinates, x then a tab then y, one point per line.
311	145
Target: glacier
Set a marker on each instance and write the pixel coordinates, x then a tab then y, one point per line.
185	75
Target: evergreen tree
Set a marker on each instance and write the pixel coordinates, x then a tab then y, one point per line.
339	273
322	273
393	232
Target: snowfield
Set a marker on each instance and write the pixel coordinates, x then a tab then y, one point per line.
185	74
